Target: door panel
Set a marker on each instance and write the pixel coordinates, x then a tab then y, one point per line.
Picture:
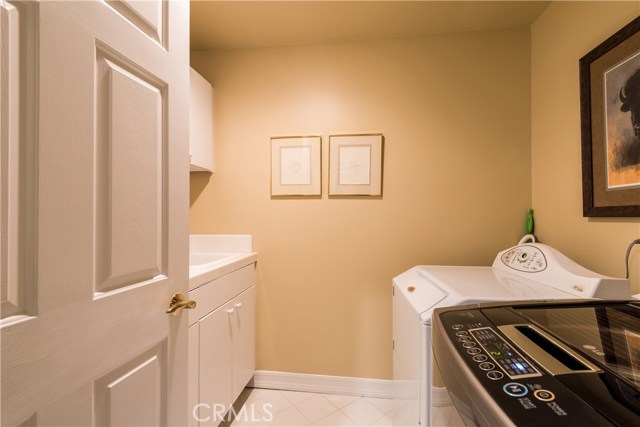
148	16
133	394
17	171
130	161
134	398
103	205
9	166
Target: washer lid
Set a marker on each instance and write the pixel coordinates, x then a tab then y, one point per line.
418	290
441	286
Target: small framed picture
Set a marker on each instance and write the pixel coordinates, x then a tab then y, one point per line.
355	165
295	166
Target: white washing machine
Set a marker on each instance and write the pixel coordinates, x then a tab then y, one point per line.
528	271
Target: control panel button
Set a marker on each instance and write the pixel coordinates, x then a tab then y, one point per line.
461	333
544	395
468	344
473	350
464	339
487	366
495	375
457	327
515	389
479	358
503	354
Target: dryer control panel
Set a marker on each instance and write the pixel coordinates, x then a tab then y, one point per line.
550	267
525	258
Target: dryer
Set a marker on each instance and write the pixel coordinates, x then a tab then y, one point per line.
527	271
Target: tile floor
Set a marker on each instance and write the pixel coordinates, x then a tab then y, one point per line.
262	407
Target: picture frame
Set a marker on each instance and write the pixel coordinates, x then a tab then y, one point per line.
296	166
355	164
610	125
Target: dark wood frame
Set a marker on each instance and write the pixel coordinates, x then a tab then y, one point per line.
588	208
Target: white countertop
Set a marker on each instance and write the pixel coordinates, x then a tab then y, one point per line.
228	253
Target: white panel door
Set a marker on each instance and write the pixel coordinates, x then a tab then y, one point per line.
94	212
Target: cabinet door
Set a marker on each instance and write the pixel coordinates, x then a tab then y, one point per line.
215	364
201	124
243	327
194	371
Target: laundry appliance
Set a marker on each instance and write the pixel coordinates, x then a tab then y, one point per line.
528	271
564	363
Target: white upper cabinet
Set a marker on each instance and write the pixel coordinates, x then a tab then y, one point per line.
201	124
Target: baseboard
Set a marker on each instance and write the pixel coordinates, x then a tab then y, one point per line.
366	387
440	397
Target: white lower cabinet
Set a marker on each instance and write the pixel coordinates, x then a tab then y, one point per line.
221	351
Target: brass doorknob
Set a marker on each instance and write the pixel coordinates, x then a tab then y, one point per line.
179	302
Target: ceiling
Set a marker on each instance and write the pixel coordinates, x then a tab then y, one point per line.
250	24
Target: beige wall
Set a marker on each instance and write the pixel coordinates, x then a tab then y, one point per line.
564	33
455	112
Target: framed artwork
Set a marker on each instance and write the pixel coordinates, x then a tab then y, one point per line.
610	125
295	166
355	165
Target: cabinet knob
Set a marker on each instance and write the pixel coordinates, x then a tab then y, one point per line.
231	311
238	305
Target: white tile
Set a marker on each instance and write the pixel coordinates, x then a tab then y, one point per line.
336	419
253	412
297	397
294	408
290	417
401	410
405	420
438	417
257	393
385	405
340	400
385	421
362	412
316	408
242	422
271	400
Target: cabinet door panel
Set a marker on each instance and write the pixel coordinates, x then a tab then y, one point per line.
201	124
215	363
243	340
193	396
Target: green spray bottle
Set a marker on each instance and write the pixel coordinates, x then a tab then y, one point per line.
529	226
